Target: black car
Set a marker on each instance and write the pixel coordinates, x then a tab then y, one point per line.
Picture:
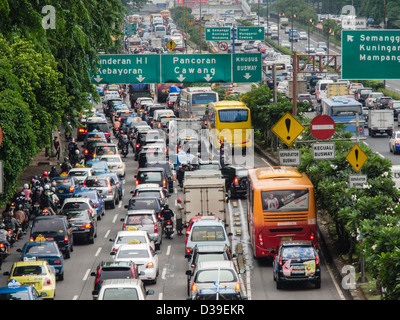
360	94
113	270
145	203
83	224
54	228
235	180
102	126
296	261
383	103
168	172
152	175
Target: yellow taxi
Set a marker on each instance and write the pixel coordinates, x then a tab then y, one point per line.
37	273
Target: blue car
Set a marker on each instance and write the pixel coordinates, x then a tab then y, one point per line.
98	166
66	187
41	249
97	199
16	291
119	183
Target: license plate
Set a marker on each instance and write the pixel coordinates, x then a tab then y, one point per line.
286	238
169	227
50	238
60	191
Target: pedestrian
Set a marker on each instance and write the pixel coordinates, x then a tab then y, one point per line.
179	216
57	147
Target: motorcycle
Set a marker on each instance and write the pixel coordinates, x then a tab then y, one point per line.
125	150
3	252
35	210
168	228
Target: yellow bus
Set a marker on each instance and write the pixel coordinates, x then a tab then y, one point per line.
230	120
281	207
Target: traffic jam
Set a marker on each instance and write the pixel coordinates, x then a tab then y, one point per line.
151	182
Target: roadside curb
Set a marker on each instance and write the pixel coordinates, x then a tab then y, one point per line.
332	258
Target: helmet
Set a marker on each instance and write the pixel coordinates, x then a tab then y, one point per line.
53	189
2	226
179	200
76	151
53	168
45	173
46	187
166	206
26	186
125	136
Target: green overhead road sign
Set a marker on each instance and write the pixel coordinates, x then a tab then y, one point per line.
247	67
182	68
127	68
195	68
218	34
130	29
250	33
370	54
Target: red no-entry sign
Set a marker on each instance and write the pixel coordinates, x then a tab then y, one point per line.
322	127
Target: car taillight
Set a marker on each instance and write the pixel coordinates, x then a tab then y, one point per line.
85	226
260	239
31	239
124	226
149	265
71	189
137	182
164	182
236	181
280	261
316	260
137	146
120	166
98	276
312	237
47	282
66	238
155	227
57	262
86	151
194	287
189	250
237	286
187	232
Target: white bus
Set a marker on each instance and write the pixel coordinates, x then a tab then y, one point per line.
193	101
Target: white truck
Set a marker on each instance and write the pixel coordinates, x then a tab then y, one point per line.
380	121
204	194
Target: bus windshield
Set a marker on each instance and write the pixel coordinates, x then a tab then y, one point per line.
233	115
204	98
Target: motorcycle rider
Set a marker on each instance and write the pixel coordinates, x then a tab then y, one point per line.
21	216
53	172
77	158
66	166
166	214
180	175
27	192
11	223
55	198
125	143
5	238
46	201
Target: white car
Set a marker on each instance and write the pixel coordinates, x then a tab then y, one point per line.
303	35
144	256
114	163
81	173
78	203
132	238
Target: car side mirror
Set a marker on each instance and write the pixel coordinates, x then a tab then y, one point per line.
113	253
126	206
150	292
189	272
111	240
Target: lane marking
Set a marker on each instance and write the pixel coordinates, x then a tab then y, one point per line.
97	252
115	218
107	233
86	275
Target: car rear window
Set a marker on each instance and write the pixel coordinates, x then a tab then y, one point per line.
92	183
116	273
28	270
102	150
136	253
76	205
298	252
224	275
120	294
47	225
131	239
207	233
44	248
140	219
63	182
103	127
148	177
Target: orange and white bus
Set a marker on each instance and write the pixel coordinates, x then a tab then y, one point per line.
165	14
281	207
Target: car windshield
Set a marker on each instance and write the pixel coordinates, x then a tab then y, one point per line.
120	294
207	233
298	252
132	253
43	248
223	275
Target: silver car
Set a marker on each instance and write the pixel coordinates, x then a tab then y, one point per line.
209	274
145	220
106	187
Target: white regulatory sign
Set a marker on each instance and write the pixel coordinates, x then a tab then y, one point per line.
323	151
289	157
357	180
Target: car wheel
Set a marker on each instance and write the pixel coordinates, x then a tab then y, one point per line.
67	254
113	204
317	284
279	284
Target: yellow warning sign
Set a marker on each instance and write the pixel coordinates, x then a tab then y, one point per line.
356	157
288	128
171	45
